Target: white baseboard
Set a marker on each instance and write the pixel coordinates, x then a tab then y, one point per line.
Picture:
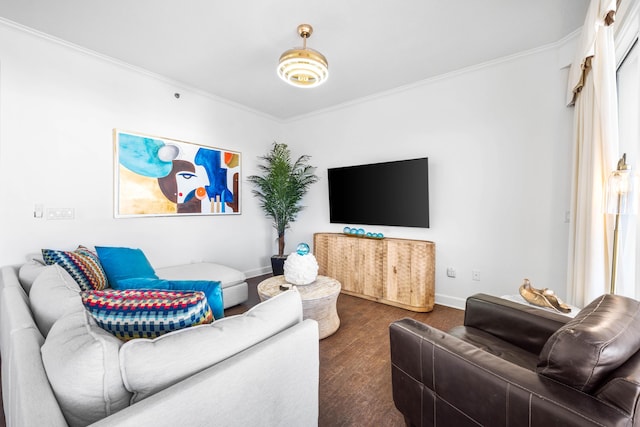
258	271
448	301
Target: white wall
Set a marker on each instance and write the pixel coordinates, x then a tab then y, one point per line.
497	137
498	141
58	107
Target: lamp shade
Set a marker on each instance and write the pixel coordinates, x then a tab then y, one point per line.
622	192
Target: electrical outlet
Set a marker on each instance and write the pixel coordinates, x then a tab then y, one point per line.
60	213
475	275
451	272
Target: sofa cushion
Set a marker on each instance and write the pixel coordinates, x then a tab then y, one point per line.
82	264
82	364
211	289
145	313
123	263
149	366
497	346
227	276
54	293
29	271
597	341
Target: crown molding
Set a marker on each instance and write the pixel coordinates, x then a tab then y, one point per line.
139	70
453	74
283	121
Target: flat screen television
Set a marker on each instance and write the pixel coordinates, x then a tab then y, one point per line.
390	193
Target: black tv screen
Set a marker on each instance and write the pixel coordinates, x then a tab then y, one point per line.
390	193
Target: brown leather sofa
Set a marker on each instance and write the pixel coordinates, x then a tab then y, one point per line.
516	365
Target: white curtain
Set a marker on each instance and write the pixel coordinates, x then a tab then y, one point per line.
628	81
592	88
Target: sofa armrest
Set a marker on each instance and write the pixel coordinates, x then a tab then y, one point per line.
524	326
274	383
438	379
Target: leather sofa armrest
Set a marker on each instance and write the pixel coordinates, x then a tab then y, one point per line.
438	379
622	388
524	326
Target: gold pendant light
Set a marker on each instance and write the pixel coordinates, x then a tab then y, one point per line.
303	67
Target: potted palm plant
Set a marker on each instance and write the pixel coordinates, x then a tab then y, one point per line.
279	189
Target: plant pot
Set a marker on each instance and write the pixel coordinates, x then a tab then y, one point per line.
277	264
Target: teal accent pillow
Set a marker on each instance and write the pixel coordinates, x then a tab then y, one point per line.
211	289
123	263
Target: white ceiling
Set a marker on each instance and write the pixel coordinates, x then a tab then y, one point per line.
231	48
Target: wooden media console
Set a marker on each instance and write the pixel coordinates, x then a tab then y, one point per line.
398	272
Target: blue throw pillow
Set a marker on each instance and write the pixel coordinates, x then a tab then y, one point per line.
211	289
123	263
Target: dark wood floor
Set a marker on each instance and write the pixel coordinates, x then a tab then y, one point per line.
355	370
355	366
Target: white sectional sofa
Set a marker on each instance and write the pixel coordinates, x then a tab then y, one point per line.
233	282
259	368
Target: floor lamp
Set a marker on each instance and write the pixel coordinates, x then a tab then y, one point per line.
621	199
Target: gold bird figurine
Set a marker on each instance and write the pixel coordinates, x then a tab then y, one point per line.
542	297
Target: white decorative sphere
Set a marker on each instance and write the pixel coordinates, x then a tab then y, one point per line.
300	269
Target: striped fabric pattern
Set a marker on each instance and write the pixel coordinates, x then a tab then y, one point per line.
130	314
82	264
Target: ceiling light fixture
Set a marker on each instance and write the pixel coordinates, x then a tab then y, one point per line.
303	67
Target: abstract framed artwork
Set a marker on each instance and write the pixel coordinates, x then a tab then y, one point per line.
156	176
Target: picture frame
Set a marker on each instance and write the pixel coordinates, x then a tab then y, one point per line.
159	176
